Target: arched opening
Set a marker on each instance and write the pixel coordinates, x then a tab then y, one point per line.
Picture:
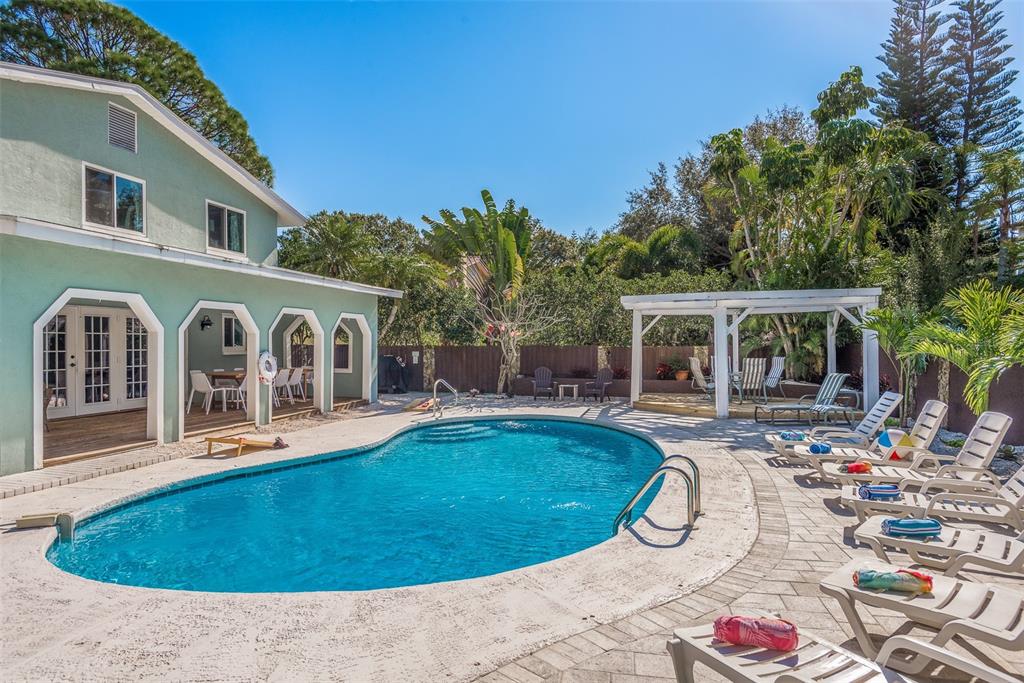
98	364
297	333
351	352
220	342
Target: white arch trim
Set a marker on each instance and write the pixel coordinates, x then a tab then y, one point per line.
348	330
309	316
252	352
367	343
142	311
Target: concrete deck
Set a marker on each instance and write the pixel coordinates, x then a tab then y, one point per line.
601	615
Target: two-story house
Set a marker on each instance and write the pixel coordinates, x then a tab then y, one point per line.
136	256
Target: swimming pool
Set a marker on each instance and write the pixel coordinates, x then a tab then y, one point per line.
445	501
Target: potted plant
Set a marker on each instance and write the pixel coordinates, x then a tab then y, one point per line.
680	369
664	371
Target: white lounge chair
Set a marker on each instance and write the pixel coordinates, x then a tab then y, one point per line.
814	660
970	465
697	379
976	611
819	405
774	378
995	504
860	435
751	381
921	437
950	551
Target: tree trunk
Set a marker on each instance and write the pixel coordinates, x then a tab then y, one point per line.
944	386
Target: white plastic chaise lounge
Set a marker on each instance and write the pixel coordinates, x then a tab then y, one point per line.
983	501
921	437
815	660
821	404
955	608
970	465
951	551
860	435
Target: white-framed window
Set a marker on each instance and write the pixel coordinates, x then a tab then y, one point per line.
225	230
113	201
343	349
233	340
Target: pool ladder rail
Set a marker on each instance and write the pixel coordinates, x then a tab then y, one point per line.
668	466
438	407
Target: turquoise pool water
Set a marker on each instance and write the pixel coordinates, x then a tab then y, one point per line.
442	502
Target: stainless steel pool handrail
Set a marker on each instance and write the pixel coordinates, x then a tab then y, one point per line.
626	515
696	477
436	404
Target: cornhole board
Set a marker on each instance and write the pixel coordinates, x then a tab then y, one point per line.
419	404
239	441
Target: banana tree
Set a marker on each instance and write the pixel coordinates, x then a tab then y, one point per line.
982	333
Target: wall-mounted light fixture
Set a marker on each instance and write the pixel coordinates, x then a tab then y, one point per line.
205	323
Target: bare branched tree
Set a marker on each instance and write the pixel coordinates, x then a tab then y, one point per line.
509	323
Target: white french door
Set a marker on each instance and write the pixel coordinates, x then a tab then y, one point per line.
95	360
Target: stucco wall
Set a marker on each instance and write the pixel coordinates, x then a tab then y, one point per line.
45	135
34	273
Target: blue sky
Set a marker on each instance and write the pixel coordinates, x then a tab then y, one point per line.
405	109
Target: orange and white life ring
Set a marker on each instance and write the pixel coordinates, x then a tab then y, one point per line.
267	365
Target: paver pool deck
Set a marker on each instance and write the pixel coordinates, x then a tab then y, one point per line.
765	539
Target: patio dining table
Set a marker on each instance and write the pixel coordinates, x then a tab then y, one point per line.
237	375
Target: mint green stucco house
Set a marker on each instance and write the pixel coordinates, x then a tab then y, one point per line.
133	251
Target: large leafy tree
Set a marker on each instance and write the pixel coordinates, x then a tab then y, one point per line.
987	115
99	39
666	249
895	328
913	88
980	331
329	244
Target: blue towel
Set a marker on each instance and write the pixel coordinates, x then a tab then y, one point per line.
791	436
820	448
911	527
879	492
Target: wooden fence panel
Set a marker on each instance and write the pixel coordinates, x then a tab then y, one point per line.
468	367
562	360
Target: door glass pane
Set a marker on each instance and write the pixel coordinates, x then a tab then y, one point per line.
136	359
55	375
236	232
239	339
97	358
129	204
215	226
99	197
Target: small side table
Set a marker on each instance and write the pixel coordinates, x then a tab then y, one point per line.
574	387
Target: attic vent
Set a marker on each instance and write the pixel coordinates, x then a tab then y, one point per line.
121	128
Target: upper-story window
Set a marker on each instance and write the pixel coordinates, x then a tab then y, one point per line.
113	200
225	229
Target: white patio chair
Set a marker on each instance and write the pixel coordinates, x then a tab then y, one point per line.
280	388
296	383
201	384
751	381
861	435
814	660
241	394
971	611
984	501
697	379
970	465
950	551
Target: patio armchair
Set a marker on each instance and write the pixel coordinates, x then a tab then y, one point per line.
751	382
297	383
201	384
599	386
542	383
774	379
697	378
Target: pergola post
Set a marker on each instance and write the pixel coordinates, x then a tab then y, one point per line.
832	324
735	343
721	363
636	370
869	361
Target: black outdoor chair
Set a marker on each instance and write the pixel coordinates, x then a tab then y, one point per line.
599	386
542	382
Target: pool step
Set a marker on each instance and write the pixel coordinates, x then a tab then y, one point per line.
439	435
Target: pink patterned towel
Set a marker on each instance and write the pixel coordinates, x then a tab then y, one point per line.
773	634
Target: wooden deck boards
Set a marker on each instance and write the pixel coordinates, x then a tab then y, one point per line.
700	406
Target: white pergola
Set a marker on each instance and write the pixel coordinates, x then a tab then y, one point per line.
729	309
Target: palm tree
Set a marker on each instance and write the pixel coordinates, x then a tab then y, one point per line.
329	245
406	271
497	242
1003	194
982	334
895	328
666	249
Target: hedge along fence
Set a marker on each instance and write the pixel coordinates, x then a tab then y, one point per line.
1007	394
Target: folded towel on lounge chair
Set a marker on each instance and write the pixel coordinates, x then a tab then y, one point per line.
879	492
792	436
856	468
820	448
912	527
902	580
772	634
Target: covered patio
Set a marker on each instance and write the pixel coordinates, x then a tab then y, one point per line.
729	309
